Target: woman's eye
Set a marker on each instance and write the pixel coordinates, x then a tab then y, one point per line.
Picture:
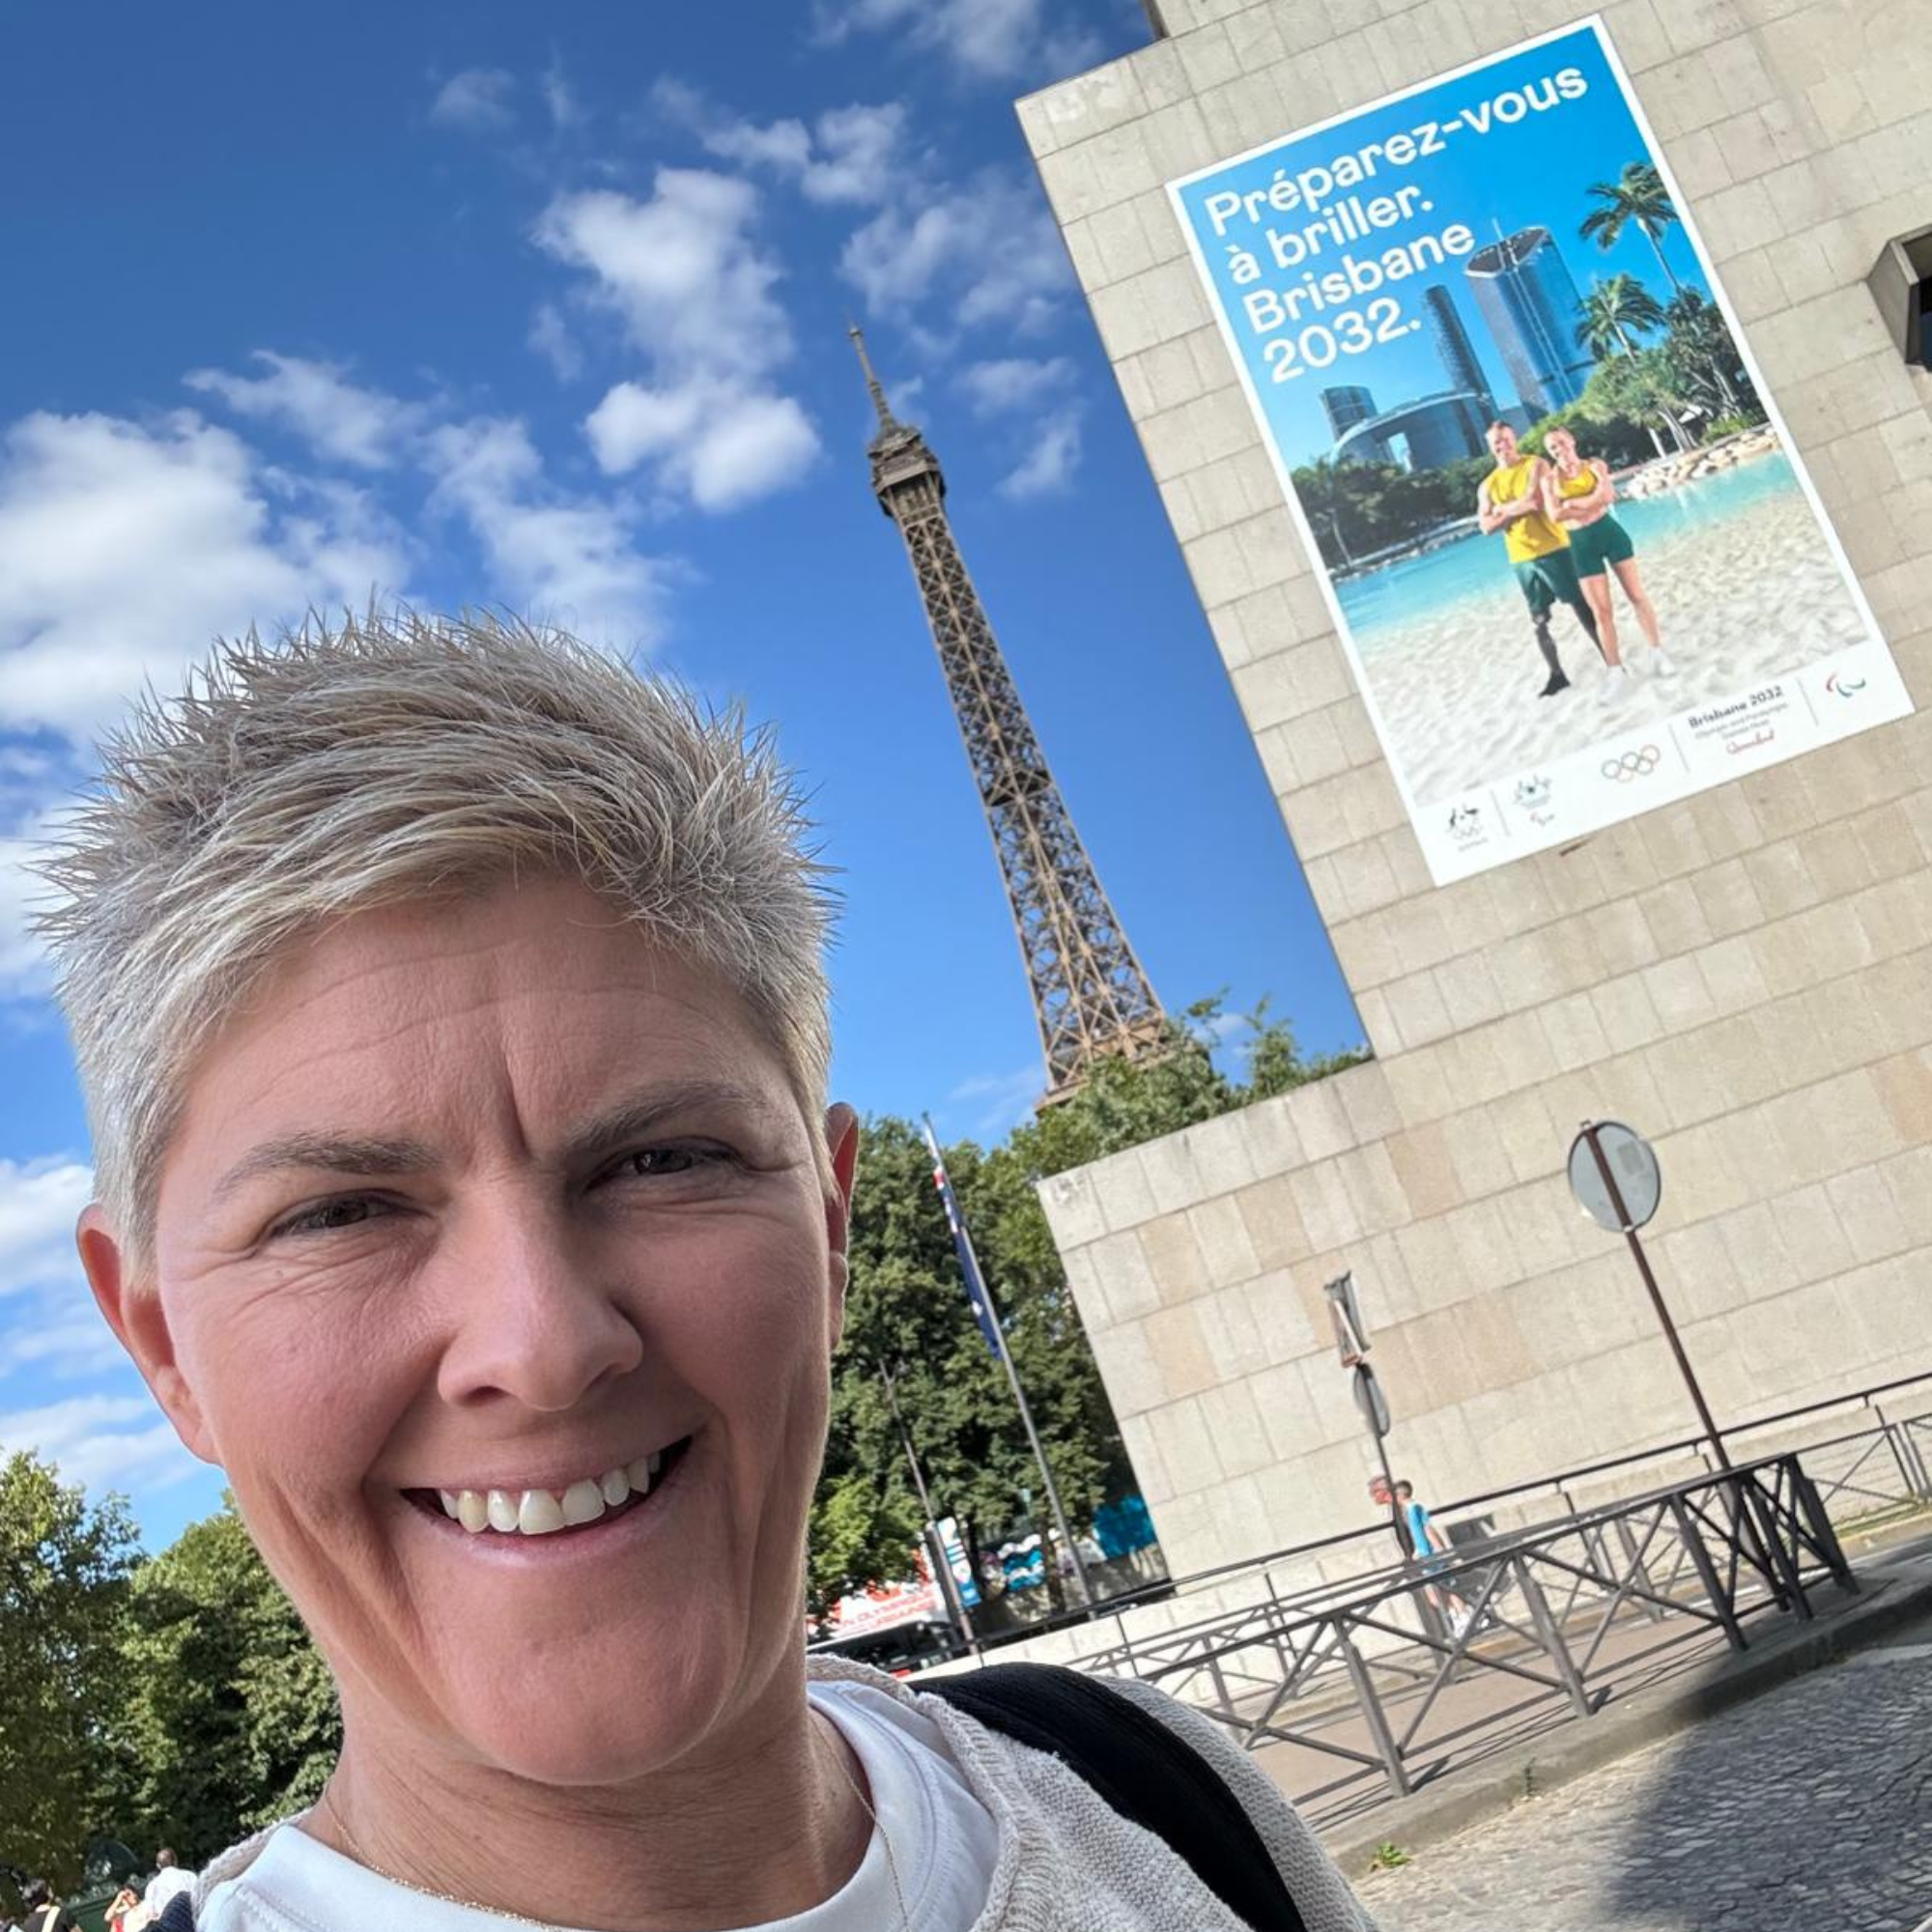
647	1161
665	1163
345	1211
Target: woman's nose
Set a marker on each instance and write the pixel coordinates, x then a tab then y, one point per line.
529	1316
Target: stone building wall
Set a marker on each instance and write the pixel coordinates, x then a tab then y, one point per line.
1746	977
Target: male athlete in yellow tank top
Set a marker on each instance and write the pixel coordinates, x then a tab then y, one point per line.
1511	501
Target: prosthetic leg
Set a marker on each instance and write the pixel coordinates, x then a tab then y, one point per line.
1546	644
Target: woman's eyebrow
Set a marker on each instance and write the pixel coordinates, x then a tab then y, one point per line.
330	1152
646	1114
636	1119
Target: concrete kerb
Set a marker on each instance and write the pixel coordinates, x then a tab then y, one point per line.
1470	1798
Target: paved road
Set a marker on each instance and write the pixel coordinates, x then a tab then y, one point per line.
1809	1809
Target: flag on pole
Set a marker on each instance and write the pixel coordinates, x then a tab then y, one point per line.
962	1246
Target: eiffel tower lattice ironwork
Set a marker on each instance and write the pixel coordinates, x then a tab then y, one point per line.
1090	995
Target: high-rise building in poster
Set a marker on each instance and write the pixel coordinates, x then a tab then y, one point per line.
1346	404
1529	300
1452	344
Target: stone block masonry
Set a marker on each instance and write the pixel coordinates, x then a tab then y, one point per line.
1745	977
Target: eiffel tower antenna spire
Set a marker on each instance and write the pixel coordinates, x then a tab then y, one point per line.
874	387
1090	995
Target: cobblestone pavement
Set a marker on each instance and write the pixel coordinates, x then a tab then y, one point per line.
1807	1809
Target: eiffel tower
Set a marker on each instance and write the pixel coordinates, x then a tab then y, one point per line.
1090	995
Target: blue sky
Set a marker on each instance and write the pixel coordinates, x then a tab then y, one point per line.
547	309
1531	172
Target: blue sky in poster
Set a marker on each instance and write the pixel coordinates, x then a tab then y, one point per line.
1530	172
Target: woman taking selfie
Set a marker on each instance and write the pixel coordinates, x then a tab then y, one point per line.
451	1008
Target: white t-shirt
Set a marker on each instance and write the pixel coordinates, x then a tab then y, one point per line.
933	1835
164	1885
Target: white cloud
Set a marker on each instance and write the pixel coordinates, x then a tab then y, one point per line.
1014	382
25	971
859	153
64	1347
1048	465
551	339
987	251
125	547
995	1103
681	268
560	98
569	559
695	295
338	418
993	40
39	1200
103	1442
849	154
476	101
783	145
720	449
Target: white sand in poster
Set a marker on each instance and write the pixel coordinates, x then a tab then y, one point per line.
1746	589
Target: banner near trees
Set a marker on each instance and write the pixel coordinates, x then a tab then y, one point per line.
1579	568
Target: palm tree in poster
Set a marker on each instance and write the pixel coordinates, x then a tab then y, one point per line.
1698	334
1615	311
1609	319
1636	199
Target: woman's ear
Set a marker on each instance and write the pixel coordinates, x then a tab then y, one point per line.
842	1137
133	1305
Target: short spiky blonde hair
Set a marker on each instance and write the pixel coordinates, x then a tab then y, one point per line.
393	759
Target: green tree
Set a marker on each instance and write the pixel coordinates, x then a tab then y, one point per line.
1610	320
232	1720
1703	358
1639	388
64	1570
907	1315
1636	199
906	1309
1620	440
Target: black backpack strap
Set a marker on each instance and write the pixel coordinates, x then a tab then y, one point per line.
178	1915
1141	1768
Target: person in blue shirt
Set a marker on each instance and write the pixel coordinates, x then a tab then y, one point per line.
1432	1552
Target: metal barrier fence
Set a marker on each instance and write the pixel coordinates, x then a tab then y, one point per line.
1390	1680
1380	1677
1883	1436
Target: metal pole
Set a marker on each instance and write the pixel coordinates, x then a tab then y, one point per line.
1019	1393
941	1570
1754	1527
1657	1300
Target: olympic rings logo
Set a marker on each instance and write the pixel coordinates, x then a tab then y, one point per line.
1633	765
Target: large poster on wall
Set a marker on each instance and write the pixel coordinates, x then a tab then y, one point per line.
1576	564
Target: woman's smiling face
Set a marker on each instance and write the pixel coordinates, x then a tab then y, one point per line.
501	1197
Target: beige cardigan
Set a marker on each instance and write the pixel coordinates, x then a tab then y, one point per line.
1067	1862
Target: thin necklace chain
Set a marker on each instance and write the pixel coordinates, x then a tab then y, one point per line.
348	1838
885	1837
362	1858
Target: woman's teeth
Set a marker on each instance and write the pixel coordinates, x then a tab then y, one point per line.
543	1512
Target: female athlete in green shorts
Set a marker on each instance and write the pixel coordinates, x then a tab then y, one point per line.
1579	495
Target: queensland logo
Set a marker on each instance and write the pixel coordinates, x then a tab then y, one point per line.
1465	822
1841	686
1630	766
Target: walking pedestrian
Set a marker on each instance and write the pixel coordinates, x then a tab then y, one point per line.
1433	1554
